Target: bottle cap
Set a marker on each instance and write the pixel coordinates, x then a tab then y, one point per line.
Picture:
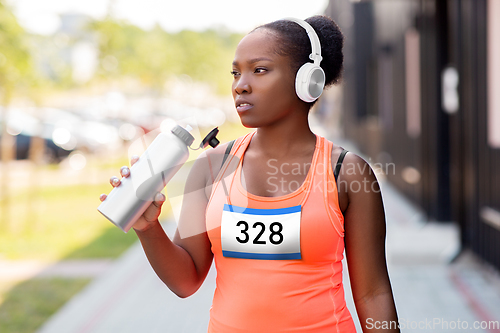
182	134
210	139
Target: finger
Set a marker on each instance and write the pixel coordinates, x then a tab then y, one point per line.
103	197
124	171
134	159
159	199
153	211
114	181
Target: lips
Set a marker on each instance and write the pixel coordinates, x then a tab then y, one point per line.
242	105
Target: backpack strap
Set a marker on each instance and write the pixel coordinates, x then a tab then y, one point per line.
338	165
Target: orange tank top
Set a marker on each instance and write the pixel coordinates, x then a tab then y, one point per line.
297	289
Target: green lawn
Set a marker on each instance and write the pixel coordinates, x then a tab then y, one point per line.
64	223
28	305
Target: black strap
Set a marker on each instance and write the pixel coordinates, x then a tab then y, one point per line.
338	165
226	153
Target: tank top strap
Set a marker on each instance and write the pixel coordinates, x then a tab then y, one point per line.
329	176
326	167
327	157
316	171
331	192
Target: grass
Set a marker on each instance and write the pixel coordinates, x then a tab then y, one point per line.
111	243
28	305
58	222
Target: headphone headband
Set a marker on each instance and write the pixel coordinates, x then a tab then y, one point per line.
313	37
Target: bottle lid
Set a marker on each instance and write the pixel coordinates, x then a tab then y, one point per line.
182	134
210	139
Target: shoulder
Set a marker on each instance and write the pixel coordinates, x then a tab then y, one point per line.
336	151
207	165
353	166
204	169
357	169
210	160
356	179
216	155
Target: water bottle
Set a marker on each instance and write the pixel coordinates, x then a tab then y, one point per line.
148	176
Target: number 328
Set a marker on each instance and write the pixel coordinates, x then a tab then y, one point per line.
276	237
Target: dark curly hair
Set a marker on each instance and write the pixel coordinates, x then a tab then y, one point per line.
294	43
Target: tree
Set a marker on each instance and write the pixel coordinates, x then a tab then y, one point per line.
16	70
154	56
15	60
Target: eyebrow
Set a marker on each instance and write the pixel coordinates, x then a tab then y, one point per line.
253	61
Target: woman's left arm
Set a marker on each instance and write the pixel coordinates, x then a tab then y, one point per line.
364	225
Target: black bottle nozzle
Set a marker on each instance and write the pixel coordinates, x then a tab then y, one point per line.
211	139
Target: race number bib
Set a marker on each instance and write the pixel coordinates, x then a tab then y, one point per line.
269	234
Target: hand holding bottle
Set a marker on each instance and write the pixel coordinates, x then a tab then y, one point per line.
151	214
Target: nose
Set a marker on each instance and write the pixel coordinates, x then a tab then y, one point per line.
242	85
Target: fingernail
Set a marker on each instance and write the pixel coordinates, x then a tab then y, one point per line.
159	197
125	170
115	180
102	196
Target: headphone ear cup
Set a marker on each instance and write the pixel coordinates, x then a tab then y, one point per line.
309	82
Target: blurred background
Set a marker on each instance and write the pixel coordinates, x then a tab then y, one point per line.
81	81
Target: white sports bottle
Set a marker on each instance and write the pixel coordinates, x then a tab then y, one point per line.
148	176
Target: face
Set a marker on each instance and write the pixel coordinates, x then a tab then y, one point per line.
264	85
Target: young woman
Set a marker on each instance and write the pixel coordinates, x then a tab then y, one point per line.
272	216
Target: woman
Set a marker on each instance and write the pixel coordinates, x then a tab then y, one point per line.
273	216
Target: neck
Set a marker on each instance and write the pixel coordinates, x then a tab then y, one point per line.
286	138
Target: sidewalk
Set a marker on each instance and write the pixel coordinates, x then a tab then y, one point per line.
431	294
129	297
429	285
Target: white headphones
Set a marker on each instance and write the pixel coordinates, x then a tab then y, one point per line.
310	79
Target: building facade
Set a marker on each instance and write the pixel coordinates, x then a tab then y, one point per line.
421	90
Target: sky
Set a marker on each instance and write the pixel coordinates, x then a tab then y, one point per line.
41	16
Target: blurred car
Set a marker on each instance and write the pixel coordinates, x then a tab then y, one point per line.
52	153
62	131
24	127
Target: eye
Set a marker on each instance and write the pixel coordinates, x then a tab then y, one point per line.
260	70
235	73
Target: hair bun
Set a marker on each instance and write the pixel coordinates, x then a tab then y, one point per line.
332	42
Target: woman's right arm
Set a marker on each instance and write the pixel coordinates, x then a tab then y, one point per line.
182	264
